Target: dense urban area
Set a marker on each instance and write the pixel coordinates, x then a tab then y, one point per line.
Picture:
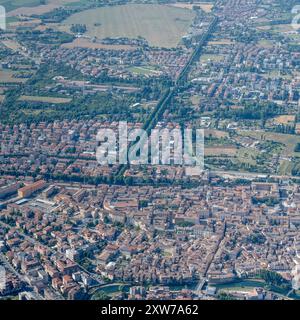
73	229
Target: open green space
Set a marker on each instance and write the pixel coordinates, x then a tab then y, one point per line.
160	25
10	5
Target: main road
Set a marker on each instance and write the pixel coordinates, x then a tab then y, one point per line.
151	122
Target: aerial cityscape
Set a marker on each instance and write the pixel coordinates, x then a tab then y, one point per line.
213	217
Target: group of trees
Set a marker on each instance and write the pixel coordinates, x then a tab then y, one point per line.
296	168
274	279
252	112
78	28
49	36
256	238
297	147
57	15
269	201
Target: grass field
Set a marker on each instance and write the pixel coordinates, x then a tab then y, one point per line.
160	25
278	28
284	119
45	99
10	5
220	151
205	6
211	57
285	167
216	133
265	43
7	76
220	42
13	45
144	70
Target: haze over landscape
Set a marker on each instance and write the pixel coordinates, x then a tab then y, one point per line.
150	150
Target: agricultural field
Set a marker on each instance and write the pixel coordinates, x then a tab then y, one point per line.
11	44
216	133
284	29
284	119
247	155
266	151
10	5
285	167
53	100
265	43
205	6
288	140
220	151
14	23
30	7
160	25
7	76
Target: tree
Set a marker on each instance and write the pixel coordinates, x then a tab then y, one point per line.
297	148
274	279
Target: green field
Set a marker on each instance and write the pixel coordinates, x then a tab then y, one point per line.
143	70
10	5
53	100
290	141
7	76
160	25
211	57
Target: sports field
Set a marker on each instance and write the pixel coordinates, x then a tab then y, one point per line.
161	25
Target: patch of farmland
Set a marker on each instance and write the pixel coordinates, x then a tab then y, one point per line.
216	133
285	119
7	76
289	140
160	25
45	99
11	44
220	151
205	6
31	7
